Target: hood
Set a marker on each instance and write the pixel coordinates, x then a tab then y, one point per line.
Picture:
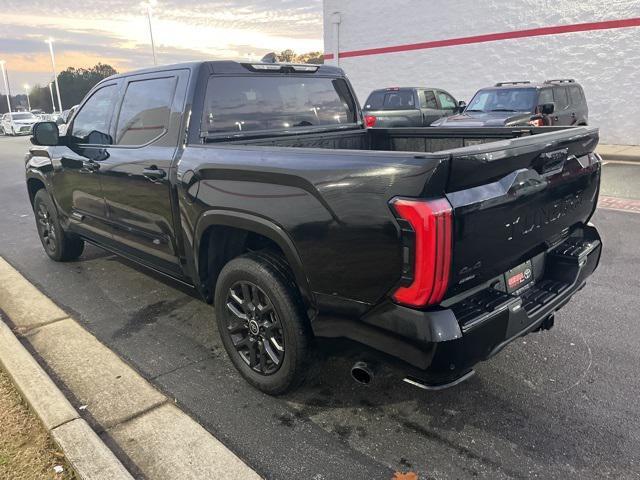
484	119
25	122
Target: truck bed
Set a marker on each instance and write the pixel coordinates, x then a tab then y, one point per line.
425	139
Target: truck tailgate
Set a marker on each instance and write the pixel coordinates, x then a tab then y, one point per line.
514	199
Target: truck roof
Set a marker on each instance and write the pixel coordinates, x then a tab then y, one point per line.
231	66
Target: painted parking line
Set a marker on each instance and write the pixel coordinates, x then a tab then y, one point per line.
619	204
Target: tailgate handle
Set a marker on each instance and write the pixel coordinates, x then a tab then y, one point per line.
553	161
527	186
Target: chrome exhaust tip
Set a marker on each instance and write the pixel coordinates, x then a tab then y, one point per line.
362	373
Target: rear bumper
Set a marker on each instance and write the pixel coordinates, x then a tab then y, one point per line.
441	346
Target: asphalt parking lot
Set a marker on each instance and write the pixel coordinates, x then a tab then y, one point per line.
559	404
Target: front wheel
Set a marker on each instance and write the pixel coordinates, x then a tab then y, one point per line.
59	245
262	324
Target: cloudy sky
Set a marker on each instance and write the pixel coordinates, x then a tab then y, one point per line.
116	32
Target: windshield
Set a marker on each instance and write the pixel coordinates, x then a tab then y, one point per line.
504	100
23	116
260	102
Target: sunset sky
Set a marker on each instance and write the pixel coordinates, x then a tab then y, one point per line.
116	32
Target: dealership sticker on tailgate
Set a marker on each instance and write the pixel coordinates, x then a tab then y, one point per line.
518	277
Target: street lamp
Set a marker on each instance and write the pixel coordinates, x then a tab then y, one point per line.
26	90
53	103
149	5
53	68
6	83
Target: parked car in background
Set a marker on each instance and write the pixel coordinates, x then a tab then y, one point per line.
408	107
18	123
508	104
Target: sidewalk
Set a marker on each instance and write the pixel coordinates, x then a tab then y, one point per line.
112	420
629	153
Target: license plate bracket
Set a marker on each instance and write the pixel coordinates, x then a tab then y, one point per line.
518	277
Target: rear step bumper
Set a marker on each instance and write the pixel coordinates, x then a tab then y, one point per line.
442	346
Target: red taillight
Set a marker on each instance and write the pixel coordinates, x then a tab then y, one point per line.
431	222
369	121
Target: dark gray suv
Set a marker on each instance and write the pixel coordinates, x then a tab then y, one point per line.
554	102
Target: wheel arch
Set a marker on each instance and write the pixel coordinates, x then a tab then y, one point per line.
34	184
251	225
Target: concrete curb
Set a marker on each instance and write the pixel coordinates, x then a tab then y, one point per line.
151	436
88	455
620	153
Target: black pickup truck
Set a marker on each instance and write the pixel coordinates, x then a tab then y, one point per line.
259	185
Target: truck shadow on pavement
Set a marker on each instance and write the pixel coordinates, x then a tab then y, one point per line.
505	420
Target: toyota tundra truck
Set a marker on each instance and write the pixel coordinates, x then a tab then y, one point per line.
259	185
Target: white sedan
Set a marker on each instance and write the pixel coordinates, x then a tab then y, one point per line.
18	123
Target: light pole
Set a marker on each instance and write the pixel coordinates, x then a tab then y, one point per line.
26	90
53	104
149	5
6	83
53	67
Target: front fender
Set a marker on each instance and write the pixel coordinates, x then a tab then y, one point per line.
37	168
262	227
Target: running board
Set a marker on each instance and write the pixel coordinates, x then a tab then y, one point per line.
438	386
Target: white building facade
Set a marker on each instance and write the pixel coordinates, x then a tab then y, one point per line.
464	45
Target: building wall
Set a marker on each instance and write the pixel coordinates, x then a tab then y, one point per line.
605	61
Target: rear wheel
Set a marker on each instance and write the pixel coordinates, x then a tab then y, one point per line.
262	324
59	245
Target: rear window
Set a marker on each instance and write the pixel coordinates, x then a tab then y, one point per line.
270	102
391	100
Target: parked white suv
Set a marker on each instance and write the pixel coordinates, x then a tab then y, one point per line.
18	123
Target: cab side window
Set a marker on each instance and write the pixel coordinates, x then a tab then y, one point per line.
576	95
91	124
560	98
446	101
428	99
145	111
546	96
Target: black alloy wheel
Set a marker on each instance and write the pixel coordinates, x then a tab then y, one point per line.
262	322
61	246
254	327
46	229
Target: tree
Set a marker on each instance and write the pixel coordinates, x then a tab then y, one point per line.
289	56
74	83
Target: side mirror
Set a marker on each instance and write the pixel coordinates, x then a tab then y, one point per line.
547	108
45	134
461	106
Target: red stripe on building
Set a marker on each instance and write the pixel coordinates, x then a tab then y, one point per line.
493	37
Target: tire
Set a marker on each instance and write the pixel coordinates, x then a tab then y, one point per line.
275	327
59	245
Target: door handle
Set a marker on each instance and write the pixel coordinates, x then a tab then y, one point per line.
154	173
89	166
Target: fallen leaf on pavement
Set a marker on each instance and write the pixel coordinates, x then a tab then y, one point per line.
405	476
